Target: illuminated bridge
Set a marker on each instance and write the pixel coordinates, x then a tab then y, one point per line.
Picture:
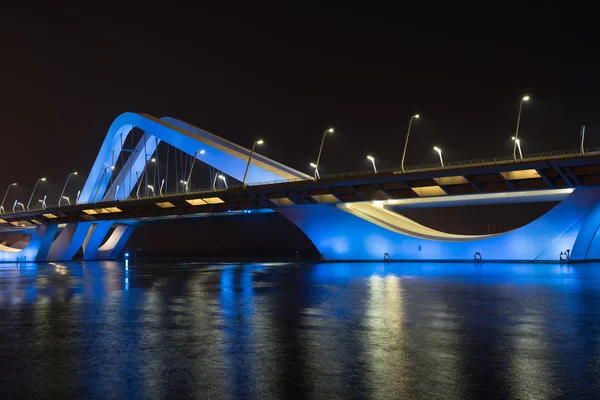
346	216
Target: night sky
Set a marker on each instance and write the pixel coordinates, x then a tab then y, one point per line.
286	73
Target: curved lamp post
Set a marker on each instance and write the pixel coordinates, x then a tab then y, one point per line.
184	183
187	183
18	204
33	192
67	199
222	177
416	116
152	188
518	144
101	179
62	194
6	194
316	170
372	159
259	142
439	151
330	130
516	138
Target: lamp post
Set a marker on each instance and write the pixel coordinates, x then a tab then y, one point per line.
330	130
33	192
187	183
77	198
582	135
316	170
259	142
416	116
518	145
6	194
373	161
62	194
101	179
222	177
161	187
18	204
67	199
439	151
516	138
43	201
184	183
151	188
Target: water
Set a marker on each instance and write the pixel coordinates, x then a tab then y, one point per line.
256	331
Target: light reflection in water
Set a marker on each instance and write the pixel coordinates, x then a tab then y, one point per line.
452	331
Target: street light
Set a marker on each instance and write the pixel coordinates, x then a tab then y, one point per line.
330	130
416	116
101	179
259	142
33	192
151	188
187	183
518	144
6	194
222	177
516	138
439	151
316	170
67	199
161	187
65	187
373	161
43	201
16	203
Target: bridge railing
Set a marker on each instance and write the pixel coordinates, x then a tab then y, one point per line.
545	156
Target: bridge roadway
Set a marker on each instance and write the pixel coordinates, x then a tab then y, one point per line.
535	178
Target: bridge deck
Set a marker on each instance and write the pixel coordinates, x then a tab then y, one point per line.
565	171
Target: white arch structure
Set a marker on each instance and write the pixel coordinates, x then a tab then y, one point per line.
224	155
354	231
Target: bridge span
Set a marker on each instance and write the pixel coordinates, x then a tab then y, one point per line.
346	216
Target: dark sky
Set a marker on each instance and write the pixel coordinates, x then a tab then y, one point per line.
287	71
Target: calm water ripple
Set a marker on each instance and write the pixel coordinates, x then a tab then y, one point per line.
105	330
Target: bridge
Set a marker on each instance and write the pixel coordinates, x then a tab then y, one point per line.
346	216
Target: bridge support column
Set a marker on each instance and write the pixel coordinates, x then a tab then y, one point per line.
68	242
115	244
93	249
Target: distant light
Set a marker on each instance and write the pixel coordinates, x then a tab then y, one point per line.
371	158
112	167
526	98
437	149
221	177
313	165
260	141
153	159
43	179
75	173
330	130
417	116
14	184
202	151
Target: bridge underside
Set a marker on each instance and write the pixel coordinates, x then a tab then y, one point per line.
367	231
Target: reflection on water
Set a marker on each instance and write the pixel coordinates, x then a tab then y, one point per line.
191	330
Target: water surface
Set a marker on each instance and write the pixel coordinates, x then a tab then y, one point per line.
258	331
